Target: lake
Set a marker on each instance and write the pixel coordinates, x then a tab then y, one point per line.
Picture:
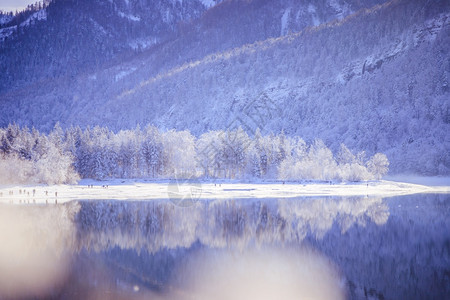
291	248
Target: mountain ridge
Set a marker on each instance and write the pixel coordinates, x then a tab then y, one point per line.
376	80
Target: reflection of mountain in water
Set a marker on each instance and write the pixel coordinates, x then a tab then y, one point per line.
157	225
387	249
394	248
406	258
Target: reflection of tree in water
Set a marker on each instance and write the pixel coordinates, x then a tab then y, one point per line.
387	248
220	223
317	216
406	258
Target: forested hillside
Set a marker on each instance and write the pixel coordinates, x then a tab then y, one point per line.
69	37
373	76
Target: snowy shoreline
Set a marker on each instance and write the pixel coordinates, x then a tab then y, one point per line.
128	189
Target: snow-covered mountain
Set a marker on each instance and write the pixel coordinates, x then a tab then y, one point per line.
67	37
82	35
372	75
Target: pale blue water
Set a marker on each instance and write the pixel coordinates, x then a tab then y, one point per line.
391	248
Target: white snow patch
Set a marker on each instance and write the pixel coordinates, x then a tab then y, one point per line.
143	43
426	33
37	16
429	181
341	9
313	11
4	19
340	78
6	32
431	28
167	16
355	68
284	21
208	3
129	17
391	51
142	190
124	73
98	26
299	14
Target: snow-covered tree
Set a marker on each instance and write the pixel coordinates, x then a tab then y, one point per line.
100	153
179	154
54	166
127	154
378	165
234	144
351	167
15	170
208	148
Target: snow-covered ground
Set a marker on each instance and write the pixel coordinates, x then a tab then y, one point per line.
195	190
429	181
37	16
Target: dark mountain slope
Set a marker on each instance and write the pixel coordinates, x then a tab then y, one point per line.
69	37
376	80
73	36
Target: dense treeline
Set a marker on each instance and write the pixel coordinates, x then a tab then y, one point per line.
63	156
18	17
29	156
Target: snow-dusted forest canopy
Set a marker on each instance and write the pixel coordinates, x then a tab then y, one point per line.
373	75
63	156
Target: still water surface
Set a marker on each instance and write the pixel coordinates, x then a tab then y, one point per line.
321	248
